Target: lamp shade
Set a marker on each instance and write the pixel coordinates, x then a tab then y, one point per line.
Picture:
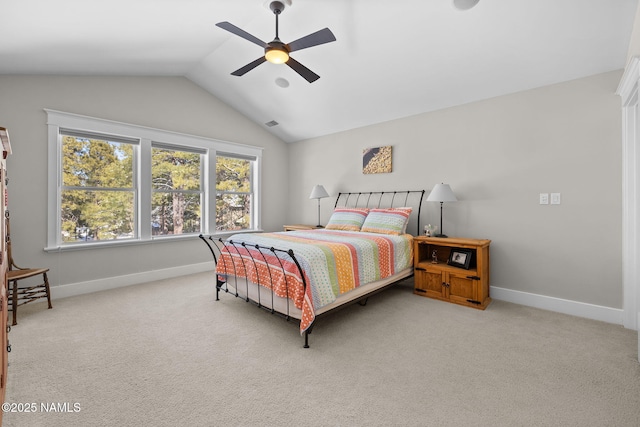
441	193
318	192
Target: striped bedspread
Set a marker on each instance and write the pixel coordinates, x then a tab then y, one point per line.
333	262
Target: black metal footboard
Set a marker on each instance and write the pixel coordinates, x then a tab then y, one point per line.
241	262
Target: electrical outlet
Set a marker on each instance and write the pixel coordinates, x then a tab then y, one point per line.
555	198
544	198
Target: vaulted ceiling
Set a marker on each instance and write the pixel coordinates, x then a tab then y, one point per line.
391	59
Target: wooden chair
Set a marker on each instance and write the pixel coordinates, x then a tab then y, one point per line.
19	295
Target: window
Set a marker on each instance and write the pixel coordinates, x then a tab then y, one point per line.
176	201
98	193
234	192
116	183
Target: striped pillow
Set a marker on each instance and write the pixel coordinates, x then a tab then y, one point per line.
347	219
387	221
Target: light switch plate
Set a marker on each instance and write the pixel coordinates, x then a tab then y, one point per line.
555	198
544	198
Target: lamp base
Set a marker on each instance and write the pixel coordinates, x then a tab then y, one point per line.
319	226
440	235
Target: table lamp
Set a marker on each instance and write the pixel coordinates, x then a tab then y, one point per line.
441	193
318	192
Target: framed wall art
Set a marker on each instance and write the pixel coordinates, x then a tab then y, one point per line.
376	160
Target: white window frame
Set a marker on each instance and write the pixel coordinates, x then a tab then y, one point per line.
146	137
111	138
203	195
252	192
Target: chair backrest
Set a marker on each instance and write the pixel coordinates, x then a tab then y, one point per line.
8	240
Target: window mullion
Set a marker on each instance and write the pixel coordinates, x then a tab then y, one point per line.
209	187
253	195
144	190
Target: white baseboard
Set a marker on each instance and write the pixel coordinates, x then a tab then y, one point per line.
574	308
73	289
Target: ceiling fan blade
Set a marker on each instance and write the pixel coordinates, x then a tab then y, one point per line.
250	66
309	75
319	37
240	32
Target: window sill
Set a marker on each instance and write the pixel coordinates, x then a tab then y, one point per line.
118	243
137	242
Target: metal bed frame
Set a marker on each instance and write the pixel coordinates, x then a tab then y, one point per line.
360	199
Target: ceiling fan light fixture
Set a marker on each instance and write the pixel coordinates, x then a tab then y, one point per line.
276	55
277	52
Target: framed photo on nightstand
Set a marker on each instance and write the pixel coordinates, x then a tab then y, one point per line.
460	258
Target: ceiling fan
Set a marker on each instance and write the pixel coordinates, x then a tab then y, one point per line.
276	51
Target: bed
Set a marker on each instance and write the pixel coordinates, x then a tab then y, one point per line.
303	275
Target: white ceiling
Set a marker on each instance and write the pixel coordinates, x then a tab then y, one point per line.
391	59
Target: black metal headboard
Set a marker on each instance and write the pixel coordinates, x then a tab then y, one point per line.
385	199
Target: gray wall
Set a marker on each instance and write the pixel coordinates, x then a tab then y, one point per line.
170	103
498	155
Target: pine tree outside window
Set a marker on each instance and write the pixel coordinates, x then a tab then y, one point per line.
98	192
177	194
234	193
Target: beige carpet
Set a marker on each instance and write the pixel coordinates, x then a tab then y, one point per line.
167	354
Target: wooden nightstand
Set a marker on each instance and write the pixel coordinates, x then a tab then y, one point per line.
452	283
294	227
